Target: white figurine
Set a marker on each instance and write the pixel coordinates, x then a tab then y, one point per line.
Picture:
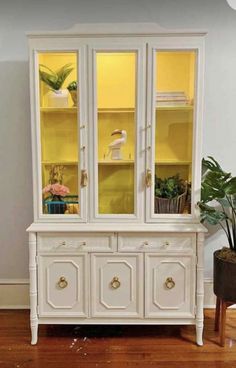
115	146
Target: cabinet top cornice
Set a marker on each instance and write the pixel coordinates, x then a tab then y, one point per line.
117	29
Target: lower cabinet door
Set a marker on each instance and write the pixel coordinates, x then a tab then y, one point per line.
169	286
117	286
62	286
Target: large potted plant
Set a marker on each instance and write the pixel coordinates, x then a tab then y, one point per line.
57	97
170	194
218	207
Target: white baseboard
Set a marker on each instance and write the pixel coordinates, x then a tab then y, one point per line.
14	294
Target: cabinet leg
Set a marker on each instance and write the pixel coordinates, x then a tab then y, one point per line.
34	331
199	333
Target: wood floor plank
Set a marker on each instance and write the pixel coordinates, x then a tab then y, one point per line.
114	346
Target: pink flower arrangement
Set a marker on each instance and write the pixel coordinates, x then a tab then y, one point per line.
56	189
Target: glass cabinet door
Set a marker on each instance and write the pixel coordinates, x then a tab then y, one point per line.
60	158
172	134
116	132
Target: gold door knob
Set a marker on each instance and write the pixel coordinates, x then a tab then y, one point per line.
148	178
115	283
62	283
169	283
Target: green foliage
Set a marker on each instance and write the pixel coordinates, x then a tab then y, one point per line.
72	86
53	79
169	187
218	199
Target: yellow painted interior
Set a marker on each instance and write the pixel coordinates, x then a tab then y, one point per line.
116	189
116	90
175	71
59	129
116	74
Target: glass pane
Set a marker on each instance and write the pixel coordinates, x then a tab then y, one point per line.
175	86
59	132
116	119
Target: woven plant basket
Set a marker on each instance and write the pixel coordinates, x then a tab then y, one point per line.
171	205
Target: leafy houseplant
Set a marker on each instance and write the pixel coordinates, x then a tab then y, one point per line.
56	191
218	207
170	194
72	88
57	97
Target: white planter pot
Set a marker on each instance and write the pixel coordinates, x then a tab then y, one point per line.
58	98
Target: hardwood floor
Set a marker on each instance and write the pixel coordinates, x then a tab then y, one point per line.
114	346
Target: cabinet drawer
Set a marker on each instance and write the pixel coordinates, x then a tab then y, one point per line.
84	242
146	242
117	286
62	286
169	286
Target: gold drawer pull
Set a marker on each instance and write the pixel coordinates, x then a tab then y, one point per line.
62	283
115	283
166	244
170	284
84	178
148	178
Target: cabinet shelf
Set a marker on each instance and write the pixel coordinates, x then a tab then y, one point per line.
116	162
60	163
175	108
69	110
172	162
116	110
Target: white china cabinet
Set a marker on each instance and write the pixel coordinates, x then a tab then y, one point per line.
116	139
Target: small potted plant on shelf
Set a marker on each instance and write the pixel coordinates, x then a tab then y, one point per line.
57	97
218	207
170	194
55	191
72	88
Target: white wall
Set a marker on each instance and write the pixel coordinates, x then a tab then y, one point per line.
19	16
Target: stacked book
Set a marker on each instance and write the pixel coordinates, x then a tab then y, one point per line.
173	98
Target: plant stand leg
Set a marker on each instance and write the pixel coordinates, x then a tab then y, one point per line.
217	313
222	322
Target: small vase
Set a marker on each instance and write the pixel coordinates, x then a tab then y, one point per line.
74	97
58	98
56	205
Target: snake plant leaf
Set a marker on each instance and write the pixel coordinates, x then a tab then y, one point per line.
56	79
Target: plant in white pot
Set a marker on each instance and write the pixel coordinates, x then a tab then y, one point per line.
218	207
57	97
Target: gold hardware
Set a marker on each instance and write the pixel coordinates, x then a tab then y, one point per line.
62	283
166	244
63	243
145	243
84	178
115	283
170	284
83	244
148	178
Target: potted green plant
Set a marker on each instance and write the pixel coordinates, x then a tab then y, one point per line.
57	97
170	194
72	88
218	207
